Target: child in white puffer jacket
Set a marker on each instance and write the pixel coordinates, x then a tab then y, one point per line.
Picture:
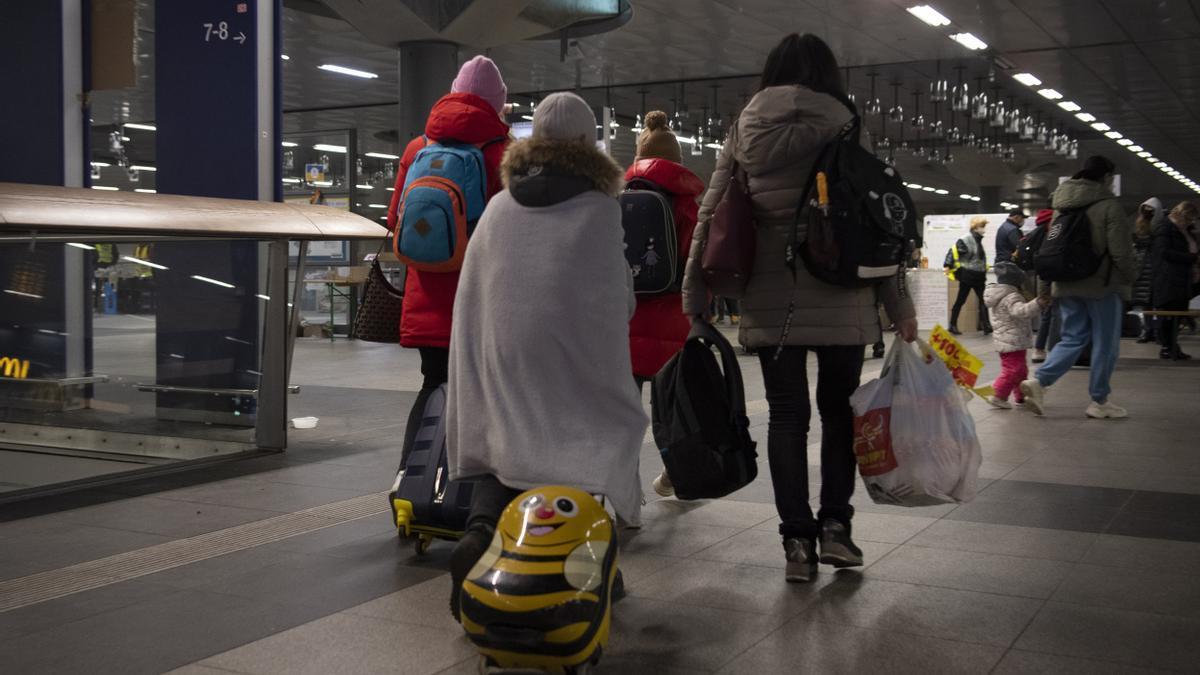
1012	315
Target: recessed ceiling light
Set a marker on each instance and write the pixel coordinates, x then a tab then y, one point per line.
1051	94
942	192
285	57
1134	148
967	197
381	155
1070	106
1159	165
1085	117
1113	134
1124	141
143	127
1101	126
913	186
347	71
929	15
1143	153
1027	79
329	148
929	189
969	41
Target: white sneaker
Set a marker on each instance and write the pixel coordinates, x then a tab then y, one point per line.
662	485
1105	410
1034	394
998	403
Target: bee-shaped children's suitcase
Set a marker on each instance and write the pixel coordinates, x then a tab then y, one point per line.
541	596
426	504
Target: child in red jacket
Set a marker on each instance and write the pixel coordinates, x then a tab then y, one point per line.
659	328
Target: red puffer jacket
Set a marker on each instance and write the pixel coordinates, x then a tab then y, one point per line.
659	328
429	296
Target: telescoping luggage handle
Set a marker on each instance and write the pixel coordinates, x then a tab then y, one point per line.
702	330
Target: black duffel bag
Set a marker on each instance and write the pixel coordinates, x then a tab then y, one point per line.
699	419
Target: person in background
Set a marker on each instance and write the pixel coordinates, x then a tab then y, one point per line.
1091	308
1150	215
800	107
659	329
540	391
1174	253
966	263
1008	236
471	113
1043	218
1012	314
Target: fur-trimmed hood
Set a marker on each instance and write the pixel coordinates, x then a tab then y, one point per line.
542	172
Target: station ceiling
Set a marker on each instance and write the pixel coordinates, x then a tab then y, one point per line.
1130	63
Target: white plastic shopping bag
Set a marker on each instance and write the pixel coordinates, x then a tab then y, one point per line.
914	439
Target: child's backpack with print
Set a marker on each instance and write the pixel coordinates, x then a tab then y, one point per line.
444	193
651	243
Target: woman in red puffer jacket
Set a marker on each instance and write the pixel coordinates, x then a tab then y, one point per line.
659	328
471	113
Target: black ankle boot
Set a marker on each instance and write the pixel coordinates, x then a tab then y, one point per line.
466	553
954	329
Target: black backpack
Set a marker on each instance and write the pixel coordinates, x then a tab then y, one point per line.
1028	247
651	243
699	419
861	220
1066	254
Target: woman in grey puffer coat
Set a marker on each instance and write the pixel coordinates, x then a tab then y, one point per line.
776	139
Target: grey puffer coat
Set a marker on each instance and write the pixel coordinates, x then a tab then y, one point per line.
1012	317
776	140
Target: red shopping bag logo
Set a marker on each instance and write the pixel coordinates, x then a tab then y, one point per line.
873	442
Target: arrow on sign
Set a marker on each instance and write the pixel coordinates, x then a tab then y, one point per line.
241	38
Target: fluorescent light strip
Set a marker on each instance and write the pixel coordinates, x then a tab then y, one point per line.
1085	117
1125	142
527	117
347	71
325	147
288	144
965	196
364	187
143	127
1114	134
1051	94
969	41
290	180
941	191
377	206
929	15
214	282
104	187
35	296
82	246
323	183
1070	106
147	263
145	191
381	155
1027	79
140	167
101	164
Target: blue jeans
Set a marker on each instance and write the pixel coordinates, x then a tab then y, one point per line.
1084	319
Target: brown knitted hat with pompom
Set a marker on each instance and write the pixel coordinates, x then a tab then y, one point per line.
656	140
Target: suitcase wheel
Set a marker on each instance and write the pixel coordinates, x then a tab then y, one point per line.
421	544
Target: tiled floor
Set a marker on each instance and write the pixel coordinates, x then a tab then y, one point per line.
1081	554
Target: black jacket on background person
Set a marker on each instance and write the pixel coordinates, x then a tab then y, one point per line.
1008	237
1173	263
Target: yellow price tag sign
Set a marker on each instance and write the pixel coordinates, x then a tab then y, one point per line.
963	365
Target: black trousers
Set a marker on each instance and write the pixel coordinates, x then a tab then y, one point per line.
1168	326
838	371
435	368
964	290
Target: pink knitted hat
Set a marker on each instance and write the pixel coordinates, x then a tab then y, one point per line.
481	77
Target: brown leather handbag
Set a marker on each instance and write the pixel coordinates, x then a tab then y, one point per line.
728	256
378	317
